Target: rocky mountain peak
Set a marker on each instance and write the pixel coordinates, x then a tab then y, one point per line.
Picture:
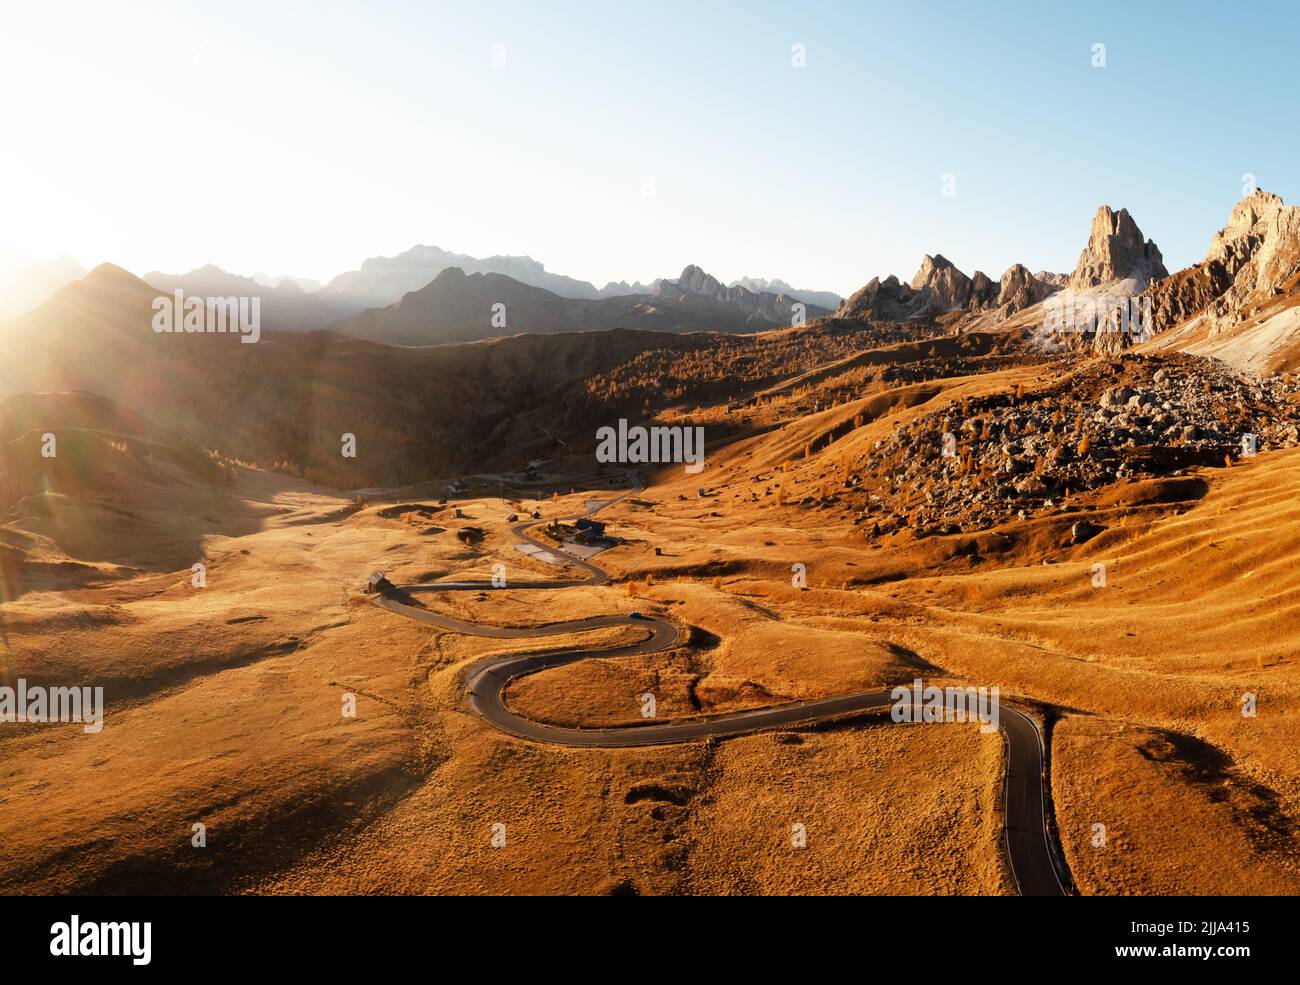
947	286
1263	233
1117	251
930	267
1250	263
983	291
694	280
757	306
1019	289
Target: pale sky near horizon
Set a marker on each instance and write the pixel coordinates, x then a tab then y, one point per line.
623	141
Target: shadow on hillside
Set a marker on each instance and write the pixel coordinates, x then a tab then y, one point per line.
1255	807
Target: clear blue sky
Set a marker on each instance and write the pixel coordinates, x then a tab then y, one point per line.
303	137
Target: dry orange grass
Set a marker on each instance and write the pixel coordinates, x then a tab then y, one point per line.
224	705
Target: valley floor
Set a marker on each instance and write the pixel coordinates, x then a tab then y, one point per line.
226	704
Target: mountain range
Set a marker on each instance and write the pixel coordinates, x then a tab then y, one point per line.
1244	281
384	280
537	300
432	385
459	307
286	400
286	306
1116	260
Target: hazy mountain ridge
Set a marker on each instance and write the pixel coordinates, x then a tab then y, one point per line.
25	283
774	285
460	307
385	280
774	309
285	307
306	284
692	301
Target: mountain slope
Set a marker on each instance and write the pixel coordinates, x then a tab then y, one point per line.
457	307
88	486
288	399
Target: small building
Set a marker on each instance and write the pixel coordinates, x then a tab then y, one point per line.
589	531
377	583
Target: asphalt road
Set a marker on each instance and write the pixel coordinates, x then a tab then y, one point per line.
1028	842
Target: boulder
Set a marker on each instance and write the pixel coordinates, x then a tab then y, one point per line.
1084	530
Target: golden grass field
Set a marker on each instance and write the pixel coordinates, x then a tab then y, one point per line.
224	702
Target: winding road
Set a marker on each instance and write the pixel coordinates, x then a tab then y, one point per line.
1028	840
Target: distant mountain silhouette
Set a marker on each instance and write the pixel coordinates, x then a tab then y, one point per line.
458	307
26	283
286	307
764	306
306	284
384	280
774	285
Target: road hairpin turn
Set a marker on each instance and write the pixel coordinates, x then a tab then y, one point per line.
1030	850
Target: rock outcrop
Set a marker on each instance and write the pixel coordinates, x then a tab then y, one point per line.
622	289
881	300
944	285
1256	253
1019	289
1250	261
1107	421
1116	251
983	292
940	288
